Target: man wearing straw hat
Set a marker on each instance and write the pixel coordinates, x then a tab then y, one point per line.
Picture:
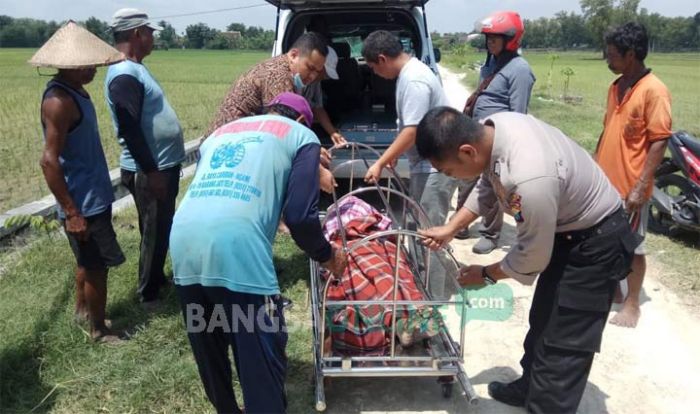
75	168
153	147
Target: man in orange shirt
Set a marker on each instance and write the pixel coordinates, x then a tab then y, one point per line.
637	126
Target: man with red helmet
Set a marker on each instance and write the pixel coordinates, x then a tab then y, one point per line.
505	85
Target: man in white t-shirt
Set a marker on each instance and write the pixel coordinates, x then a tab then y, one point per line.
418	90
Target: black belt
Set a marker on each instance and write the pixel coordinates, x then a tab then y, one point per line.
609	223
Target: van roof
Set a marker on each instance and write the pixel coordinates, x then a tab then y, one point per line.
317	4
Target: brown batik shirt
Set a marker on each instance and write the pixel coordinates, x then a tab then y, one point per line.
254	89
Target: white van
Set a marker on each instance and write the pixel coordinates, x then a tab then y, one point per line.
361	104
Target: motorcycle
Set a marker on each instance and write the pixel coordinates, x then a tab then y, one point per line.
675	202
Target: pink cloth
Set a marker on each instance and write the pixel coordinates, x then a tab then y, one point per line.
353	208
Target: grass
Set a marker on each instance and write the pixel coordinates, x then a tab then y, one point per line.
48	363
583	122
194	81
592	77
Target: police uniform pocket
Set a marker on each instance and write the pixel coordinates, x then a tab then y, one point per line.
634	129
629	241
608	254
575	329
594	251
596	297
587	281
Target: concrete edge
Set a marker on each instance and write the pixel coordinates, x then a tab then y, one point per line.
47	207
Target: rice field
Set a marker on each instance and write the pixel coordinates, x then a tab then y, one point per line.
194	81
582	119
49	364
588	86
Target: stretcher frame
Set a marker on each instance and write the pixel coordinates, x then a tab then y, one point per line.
446	364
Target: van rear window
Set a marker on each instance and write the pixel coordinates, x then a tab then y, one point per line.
355	43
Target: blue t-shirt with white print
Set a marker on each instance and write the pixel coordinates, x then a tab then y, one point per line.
223	231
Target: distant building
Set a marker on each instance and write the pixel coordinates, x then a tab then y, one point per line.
231	36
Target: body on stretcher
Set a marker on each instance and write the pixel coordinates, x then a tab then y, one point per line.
366	329
380	317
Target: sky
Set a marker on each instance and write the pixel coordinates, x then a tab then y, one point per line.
452	15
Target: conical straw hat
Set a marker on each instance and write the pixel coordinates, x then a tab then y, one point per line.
73	47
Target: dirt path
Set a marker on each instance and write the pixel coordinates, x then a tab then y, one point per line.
653	368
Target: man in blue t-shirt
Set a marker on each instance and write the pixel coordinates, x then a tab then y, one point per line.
153	147
251	171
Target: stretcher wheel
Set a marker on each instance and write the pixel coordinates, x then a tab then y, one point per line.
447	390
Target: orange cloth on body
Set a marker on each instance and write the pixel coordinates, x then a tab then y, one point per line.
643	117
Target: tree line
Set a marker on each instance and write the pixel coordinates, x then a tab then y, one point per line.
570	30
25	32
566	30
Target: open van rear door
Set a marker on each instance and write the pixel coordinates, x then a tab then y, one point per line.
306	5
297	5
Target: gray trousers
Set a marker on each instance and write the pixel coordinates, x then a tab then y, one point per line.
492	221
434	192
155	221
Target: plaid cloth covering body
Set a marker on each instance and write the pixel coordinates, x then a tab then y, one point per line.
366	329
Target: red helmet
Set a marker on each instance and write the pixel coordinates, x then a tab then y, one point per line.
506	23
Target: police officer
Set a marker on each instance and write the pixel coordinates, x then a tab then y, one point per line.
571	230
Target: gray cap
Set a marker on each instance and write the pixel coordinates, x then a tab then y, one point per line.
127	19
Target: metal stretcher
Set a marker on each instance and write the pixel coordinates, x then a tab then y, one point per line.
438	356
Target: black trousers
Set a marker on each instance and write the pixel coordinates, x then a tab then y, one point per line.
569	312
253	327
155	221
